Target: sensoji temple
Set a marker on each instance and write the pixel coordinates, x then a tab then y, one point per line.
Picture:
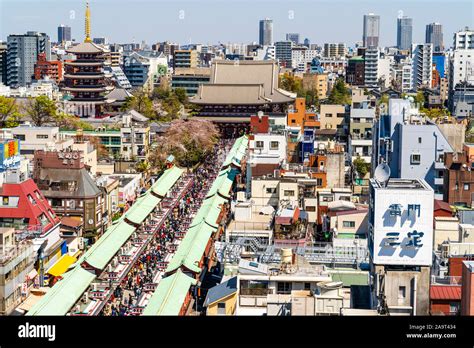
239	89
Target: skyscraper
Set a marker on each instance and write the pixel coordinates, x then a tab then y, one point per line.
404	32
64	33
22	55
370	36
266	32
434	35
293	37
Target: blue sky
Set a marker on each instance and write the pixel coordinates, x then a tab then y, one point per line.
212	21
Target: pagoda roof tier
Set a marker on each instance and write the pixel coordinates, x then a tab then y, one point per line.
88	89
86	47
86	76
79	63
97	101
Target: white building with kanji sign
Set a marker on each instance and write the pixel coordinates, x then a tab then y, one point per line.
401	222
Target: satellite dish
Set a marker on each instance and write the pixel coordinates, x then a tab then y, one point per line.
382	173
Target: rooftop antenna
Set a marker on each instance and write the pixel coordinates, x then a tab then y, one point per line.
382	174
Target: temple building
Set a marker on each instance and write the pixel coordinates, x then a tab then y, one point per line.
85	80
239	89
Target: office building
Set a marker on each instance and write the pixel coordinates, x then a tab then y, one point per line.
48	69
464	39
22	54
371	30
434	35
422	65
461	67
293	37
3	63
404	33
100	40
283	53
355	71
266	32
64	34
334	50
141	68
190	79
185	59
405	141
371	61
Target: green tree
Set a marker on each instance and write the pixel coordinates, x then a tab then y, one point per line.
420	98
383	99
340	94
291	83
9	112
41	110
361	167
180	93
140	102
312	98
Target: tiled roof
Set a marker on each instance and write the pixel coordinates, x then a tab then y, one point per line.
449	292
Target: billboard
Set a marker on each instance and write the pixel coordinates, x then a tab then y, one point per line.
403	227
9	153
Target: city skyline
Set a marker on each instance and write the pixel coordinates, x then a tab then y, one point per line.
309	19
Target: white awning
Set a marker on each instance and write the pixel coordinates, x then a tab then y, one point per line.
32	274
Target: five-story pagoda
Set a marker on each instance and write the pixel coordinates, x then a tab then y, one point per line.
84	79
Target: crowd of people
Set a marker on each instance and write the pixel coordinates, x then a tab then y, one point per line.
127	296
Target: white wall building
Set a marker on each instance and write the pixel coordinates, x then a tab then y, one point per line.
401	222
422	65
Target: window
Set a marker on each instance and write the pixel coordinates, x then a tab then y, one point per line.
310	209
221	308
419	140
42	136
307	286
328	115
289	193
349	224
274	145
466	187
259	144
6	200
401	292
284	288
415	158
293	121
19	136
319	182
453	307
271	190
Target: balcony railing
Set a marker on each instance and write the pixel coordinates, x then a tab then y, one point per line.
255	291
448	280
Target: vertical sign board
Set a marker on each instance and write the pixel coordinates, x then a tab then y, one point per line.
403	226
9	153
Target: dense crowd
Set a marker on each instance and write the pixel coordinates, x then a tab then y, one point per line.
128	294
